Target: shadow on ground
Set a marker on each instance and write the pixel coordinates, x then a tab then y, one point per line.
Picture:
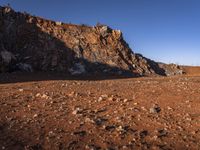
44	76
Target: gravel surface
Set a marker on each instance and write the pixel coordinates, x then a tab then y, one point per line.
135	113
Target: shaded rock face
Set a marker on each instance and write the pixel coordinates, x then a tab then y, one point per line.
29	43
172	69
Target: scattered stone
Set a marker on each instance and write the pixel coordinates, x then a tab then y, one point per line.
52	102
111	98
21	90
44	96
72	94
120	128
93	147
80	133
96	111
143	133
100	99
187	101
162	133
169	108
155	109
125	100
104	96
77	111
143	108
38	95
88	120
124	147
51	134
110	128
35	115
99	121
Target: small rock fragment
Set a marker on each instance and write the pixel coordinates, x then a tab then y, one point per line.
162	133
38	95
143	133
80	133
35	115
77	111
155	109
45	96
125	100
21	90
100	99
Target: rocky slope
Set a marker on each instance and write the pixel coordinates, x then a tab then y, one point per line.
29	43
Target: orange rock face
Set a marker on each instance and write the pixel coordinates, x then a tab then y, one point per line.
45	45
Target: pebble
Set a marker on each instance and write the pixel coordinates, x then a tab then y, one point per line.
99	121
52	102
124	147
72	94
109	128
162	133
38	95
125	100
155	109
111	98
77	111
35	115
100	99
21	90
88	120
80	133
104	96
143	133
115	112
45	96
51	134
143	108
169	108
120	128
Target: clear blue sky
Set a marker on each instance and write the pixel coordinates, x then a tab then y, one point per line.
163	30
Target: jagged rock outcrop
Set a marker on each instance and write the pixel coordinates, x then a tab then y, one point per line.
29	43
172	69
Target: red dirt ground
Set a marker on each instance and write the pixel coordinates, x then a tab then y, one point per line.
135	113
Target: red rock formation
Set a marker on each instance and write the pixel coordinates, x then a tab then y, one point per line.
29	43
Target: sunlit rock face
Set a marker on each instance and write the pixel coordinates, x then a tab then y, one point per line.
29	43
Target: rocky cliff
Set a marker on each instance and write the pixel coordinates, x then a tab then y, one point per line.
29	43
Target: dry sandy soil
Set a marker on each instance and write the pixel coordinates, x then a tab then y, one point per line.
134	113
